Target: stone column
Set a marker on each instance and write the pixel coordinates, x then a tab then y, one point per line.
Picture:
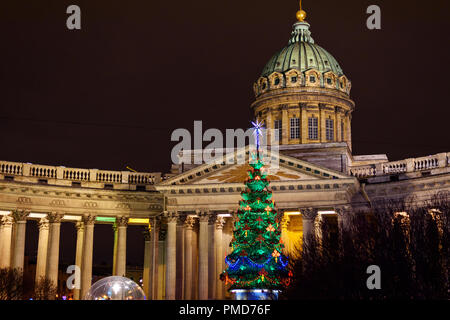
6	241
154	231
88	247
162	263
304	124
146	272
284	139
79	253
41	263
344	215
218	240
284	232
188	262
308	216
203	256
349	131
195	231
51	267
322	126
171	252
212	256
20	220
179	292
121	260
318	224
116	236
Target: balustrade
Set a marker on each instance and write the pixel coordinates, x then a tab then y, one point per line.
440	160
76	174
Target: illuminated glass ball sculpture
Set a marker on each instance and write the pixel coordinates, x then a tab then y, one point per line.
115	288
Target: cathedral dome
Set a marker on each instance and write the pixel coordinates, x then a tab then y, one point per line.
302	54
303	95
302	63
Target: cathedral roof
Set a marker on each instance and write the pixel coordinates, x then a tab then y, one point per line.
302	54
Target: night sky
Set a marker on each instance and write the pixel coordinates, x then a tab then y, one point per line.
111	94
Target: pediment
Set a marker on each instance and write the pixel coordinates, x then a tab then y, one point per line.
288	169
238	173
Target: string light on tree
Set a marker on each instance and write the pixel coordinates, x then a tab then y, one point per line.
256	261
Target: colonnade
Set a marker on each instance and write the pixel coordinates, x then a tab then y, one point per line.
12	246
194	247
188	249
184	251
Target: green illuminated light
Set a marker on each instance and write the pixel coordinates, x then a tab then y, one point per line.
105	219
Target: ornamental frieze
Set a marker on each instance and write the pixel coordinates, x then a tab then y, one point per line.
57	203
24	200
155	207
122	205
90	204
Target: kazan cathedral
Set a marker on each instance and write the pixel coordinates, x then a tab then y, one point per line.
187	215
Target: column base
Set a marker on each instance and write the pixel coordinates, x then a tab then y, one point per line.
255	294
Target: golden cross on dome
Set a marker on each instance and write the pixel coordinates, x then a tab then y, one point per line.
301	15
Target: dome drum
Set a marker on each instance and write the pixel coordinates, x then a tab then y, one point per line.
308	78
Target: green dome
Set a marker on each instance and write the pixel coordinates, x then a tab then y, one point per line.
302	54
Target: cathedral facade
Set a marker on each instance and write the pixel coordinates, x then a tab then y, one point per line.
304	95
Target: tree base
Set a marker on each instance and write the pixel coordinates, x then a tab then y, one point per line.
255	294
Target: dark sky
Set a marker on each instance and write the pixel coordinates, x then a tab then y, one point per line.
111	94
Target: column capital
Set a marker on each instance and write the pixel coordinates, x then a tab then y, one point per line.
121	221
43	224
212	218
220	221
79	225
204	216
147	234
6	220
189	223
309	213
162	234
155	223
54	217
20	215
343	210
171	216
285	221
88	219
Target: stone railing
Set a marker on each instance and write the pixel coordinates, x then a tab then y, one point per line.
43	172
395	167
363	171
440	160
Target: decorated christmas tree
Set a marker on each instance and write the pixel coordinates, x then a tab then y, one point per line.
257	261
